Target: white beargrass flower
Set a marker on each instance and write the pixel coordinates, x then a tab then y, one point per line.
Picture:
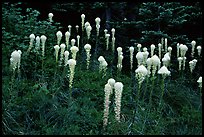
111	81
120	60
152	49
87	24
193	43
199	82
113	44
166	59
162	43
183	49
50	15
159	45
97	20
144	49
59	37
56	47
97	29
118	94
37	44
62	47
164	71
105	32
199	50
149	65
113	32
73	41
15	60
180	59
82	21
67	36
184	62
165	44
178	47
155	63
139	57
107	40
72	64
32	37
70	29
141	73
104	67
100	59
77	28
192	64
119	50
43	39
139	47
87	47
66	58
74	51
88	31
107	91
78	38
145	56
169	51
131	57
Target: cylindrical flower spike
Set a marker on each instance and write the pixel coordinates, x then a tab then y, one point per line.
88	31
159	45
72	64
82	21
97	29
43	39
74	51
77	28
193	43
70	29
139	57
199	50
62	47
184	62
73	41
32	37
111	81
107	90
37	44
178	47
78	38
113	32
139	47
66	57
67	36
169	51
167	59
100	59
140	73
152	49
118	94
120	60
192	65
15	60
131	57
105	32
50	15
113	44
87	47
59	37
149	65
145	56
180	59
107	40
165	44
104	67
155	63
97	20
119	50
183	49
199	82
56	47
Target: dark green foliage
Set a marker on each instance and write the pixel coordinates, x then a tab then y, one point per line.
39	101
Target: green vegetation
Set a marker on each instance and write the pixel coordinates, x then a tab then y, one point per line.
40	102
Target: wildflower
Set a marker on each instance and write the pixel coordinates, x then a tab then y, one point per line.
139	57
62	47
155	63
149	64
159	45
105	32
77	28
152	49
97	29
165	44
88	31
50	15
74	51
193	43
87	47
200	82
97	20
111	81
113	32
59	37
199	50
70	28
73	41
67	36
43	39
37	44
178	47
113	44
56	47
139	47
107	40
118	94
184	62
15	60
180	59
169	51
101	59
32	37
78	38
183	49
141	73
164	71
120	60
145	56
107	90
66	57
192	64
166	59
82	21
104	67
72	64
119	50
131	56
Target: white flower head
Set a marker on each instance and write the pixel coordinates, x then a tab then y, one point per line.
82	16
62	46
155	60
101	59
111	81
118	86
87	47
72	62
164	71
97	20
67	34
144	49
73	42
50	15
87	24
169	49
57	47
66	53
193	43
142	69
104	64
199	80
139	55
43	38
131	49
74	49
59	34
32	37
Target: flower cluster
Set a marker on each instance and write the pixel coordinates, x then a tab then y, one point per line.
87	47
15	60
192	64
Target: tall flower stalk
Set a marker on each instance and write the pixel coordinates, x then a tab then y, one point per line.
87	48
72	64
131	57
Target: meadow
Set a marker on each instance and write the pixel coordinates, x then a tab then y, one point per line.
80	82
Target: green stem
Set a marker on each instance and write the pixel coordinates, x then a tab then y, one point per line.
150	96
162	94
